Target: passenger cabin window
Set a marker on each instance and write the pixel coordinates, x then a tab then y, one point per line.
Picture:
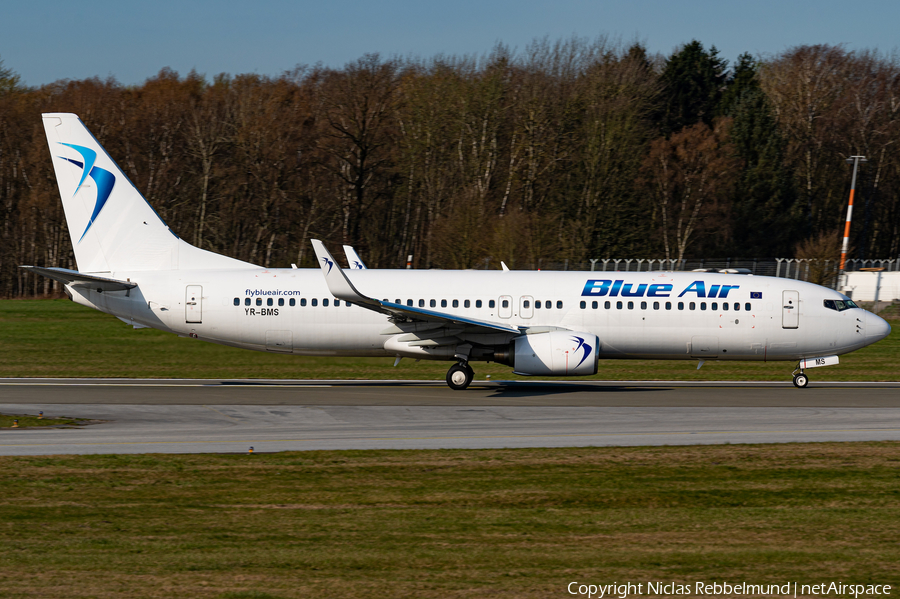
594	305
302	302
681	305
693	306
703	305
747	306
325	302
559	305
491	304
246	301
583	305
466	304
422	303
237	301
737	306
432	303
715	305
725	306
548	304
537	304
337	303
280	301
409	303
477	303
269	302
456	304
314	302
259	301
292	302
607	305
618	305
505	303
656	305
631	305
443	303
643	305
527	304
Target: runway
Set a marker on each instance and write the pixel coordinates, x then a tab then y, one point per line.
199	416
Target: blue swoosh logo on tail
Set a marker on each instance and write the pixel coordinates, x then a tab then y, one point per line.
104	179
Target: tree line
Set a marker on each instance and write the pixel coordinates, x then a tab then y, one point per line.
568	150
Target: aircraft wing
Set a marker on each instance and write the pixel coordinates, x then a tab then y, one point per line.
79	279
342	288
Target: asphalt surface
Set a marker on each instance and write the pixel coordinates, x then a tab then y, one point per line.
199	416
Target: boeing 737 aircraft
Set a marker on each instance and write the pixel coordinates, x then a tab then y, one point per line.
132	266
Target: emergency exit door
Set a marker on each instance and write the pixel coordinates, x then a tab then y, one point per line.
790	309
193	304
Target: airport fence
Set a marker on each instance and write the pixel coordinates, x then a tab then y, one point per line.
818	271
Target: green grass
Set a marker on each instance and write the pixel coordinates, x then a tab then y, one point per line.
457	523
58	338
30	420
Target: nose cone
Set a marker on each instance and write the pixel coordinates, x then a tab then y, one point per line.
877	328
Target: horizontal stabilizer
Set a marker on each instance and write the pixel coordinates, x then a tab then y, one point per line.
78	279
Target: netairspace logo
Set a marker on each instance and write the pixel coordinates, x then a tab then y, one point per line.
721	589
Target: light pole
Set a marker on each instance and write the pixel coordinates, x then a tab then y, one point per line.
855	160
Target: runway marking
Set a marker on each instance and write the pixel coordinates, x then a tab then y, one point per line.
217	385
851	430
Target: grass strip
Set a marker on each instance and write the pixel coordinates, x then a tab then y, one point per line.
58	338
456	523
32	420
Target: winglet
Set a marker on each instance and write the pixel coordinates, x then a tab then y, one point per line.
353	258
338	283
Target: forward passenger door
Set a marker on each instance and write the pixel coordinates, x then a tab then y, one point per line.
790	309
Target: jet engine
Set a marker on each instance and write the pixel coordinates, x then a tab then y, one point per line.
554	353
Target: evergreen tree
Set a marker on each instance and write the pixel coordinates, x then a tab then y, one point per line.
9	81
765	211
742	79
693	81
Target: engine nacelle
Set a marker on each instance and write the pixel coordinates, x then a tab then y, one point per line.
555	353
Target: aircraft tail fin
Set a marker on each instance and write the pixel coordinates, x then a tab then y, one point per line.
112	226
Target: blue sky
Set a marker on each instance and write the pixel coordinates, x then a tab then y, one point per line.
51	40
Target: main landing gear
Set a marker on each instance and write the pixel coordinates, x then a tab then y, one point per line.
800	379
460	376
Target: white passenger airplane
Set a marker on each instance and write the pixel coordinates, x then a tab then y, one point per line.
545	323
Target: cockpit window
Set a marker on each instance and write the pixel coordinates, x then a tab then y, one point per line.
839	305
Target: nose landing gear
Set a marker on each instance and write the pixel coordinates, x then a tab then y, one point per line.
460	376
800	379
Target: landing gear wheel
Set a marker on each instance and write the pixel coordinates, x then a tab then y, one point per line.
459	376
801	380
